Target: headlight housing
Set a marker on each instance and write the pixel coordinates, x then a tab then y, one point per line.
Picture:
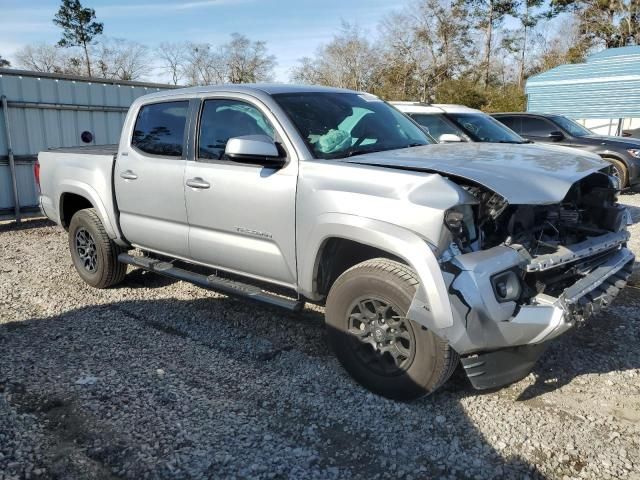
459	221
454	221
634	152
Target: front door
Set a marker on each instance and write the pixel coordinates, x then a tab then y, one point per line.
149	180
538	130
241	215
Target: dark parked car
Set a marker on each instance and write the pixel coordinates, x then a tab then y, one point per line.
623	153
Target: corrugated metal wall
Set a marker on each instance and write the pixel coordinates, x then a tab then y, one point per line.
49	111
606	86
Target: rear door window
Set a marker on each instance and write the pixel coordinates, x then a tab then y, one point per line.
160	128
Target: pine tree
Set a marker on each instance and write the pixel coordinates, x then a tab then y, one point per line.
79	27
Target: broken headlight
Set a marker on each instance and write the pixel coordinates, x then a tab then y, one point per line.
459	221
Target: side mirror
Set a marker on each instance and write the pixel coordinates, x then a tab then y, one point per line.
555	136
258	149
449	138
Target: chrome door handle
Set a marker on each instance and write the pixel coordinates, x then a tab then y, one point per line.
197	183
128	175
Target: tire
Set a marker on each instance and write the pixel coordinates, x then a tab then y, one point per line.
94	254
620	171
413	371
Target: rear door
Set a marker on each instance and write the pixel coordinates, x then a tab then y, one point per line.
241	215
149	179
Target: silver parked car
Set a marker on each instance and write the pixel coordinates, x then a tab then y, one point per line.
422	254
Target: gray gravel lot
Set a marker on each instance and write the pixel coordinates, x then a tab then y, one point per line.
160	379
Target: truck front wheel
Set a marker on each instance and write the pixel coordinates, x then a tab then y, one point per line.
94	254
383	350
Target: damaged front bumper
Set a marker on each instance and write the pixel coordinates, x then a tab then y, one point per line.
499	341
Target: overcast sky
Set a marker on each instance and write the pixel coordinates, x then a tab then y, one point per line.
291	28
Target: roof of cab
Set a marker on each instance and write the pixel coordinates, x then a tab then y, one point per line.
526	114
263	88
416	107
419	107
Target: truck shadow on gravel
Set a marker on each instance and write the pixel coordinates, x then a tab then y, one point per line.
218	388
26	224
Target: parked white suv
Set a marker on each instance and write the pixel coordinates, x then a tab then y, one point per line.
457	123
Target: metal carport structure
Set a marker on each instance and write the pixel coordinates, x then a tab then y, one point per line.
48	110
603	93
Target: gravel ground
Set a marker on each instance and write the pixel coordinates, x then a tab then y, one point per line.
160	379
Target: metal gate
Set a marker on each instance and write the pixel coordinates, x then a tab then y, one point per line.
45	110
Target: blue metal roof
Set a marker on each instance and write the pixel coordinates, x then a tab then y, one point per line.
607	85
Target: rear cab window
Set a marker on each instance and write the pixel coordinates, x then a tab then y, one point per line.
160	128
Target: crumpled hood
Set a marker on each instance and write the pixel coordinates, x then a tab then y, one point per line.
522	174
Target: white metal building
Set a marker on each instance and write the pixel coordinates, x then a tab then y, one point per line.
43	110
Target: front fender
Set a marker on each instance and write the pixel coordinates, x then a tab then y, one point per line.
430	306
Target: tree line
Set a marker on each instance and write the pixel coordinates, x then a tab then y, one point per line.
474	52
83	51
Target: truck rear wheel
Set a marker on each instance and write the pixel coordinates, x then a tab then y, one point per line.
94	254
382	349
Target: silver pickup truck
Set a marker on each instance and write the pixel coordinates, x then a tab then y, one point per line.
424	255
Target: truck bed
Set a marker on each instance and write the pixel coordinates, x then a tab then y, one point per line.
88	150
83	171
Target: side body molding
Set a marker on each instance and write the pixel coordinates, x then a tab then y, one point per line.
430	306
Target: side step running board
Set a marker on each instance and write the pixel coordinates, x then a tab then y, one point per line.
212	282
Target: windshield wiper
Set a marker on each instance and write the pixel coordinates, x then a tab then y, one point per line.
361	151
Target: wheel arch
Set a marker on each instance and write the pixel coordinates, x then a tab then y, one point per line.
70	203
74	196
430	306
338	254
609	156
